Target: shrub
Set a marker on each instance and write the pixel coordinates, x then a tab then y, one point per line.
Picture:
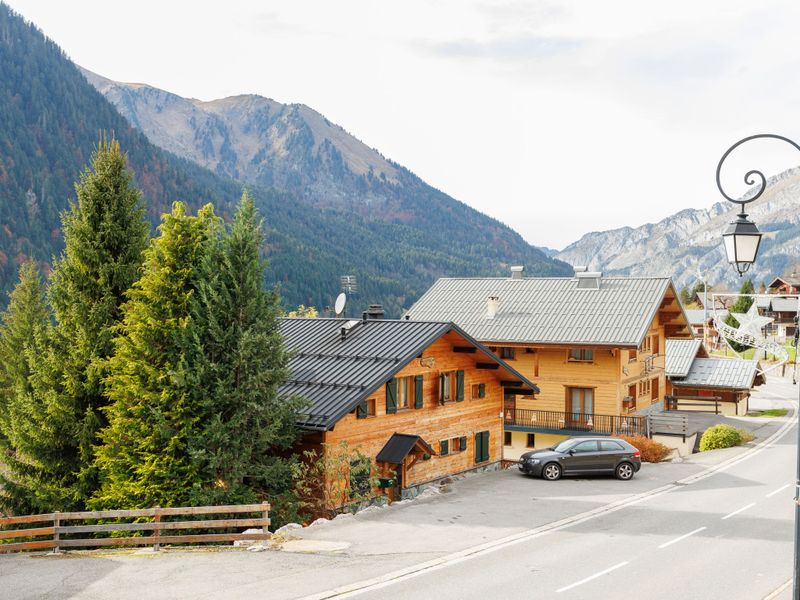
720	436
746	435
651	450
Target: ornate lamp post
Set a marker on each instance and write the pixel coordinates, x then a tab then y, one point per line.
742	240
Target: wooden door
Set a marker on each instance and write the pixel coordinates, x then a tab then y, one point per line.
580	407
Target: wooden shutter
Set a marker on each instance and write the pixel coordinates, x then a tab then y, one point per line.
485	446
391	396
418	391
481	390
462	442
459	386
441	387
444	447
361	411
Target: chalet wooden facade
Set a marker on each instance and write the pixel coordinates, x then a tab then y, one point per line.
594	345
789	284
424	400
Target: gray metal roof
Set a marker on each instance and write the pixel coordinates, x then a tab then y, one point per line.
547	310
784	305
695	315
335	374
732	373
679	356
398	446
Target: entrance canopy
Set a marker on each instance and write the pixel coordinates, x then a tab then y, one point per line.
400	445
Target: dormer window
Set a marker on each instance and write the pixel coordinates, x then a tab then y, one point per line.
507	353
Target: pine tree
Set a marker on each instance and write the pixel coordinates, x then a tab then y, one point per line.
144	458
105	233
241	362
23	325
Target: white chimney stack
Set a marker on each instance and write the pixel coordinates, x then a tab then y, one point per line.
492	304
517	272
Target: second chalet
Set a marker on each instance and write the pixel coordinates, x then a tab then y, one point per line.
594	345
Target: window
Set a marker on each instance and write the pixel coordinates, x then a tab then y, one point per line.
507	436
404	388
444	447
459	444
580	402
610	446
646	345
654	344
366	409
531	441
508	353
478	391
583	447
481	446
644	388
451	386
581	355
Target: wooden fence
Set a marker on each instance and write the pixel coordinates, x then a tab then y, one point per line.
51	526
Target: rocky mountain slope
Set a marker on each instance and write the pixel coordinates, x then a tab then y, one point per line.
51	117
692	239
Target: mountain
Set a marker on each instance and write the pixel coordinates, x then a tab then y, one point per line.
397	242
692	239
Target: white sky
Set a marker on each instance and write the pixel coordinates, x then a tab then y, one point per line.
557	118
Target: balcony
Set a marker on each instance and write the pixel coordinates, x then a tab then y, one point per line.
564	423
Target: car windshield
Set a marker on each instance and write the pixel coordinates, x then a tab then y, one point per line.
563	446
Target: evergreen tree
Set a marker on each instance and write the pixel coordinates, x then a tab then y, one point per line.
144	458
240	362
23	325
105	233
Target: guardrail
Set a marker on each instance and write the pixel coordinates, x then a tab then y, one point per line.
61	536
576	422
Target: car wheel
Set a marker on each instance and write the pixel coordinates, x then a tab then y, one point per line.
624	471
551	472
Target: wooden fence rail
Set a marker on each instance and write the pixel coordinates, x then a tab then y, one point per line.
55	529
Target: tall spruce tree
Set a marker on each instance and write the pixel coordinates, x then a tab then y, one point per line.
24	323
144	458
105	233
240	362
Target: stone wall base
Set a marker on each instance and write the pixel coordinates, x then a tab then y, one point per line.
415	490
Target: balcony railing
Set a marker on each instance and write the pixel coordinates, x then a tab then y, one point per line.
552	420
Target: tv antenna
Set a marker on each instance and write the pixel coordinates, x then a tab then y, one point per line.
341	301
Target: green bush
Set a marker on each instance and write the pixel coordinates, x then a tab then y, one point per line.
720	436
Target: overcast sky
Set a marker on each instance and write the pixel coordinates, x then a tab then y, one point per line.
557	118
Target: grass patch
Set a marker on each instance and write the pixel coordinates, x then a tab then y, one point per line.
770	412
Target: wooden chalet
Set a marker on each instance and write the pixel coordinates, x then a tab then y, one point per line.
424	400
698	382
789	284
593	344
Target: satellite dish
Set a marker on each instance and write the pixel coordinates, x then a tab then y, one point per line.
341	300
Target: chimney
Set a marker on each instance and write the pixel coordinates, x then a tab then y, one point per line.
580	270
492	304
374	313
517	272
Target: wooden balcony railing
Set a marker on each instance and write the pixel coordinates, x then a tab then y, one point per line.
590	423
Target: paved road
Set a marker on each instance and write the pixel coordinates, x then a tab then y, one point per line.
727	536
743	556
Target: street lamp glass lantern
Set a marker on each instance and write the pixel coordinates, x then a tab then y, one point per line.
742	240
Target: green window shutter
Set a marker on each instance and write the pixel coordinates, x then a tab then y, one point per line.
478	447
441	388
361	412
391	396
462	442
418	391
485	446
444	447
481	390
459	386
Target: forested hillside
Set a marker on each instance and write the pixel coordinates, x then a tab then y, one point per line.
51	118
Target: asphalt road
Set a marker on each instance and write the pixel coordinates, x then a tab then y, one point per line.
727	536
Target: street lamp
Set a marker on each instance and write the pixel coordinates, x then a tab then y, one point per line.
742	240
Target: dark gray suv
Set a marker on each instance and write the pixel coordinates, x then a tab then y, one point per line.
582	456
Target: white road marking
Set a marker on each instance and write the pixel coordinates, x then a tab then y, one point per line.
683	537
388	579
736	512
595	576
774	595
780	489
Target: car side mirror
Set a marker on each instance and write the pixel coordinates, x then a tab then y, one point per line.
571	452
